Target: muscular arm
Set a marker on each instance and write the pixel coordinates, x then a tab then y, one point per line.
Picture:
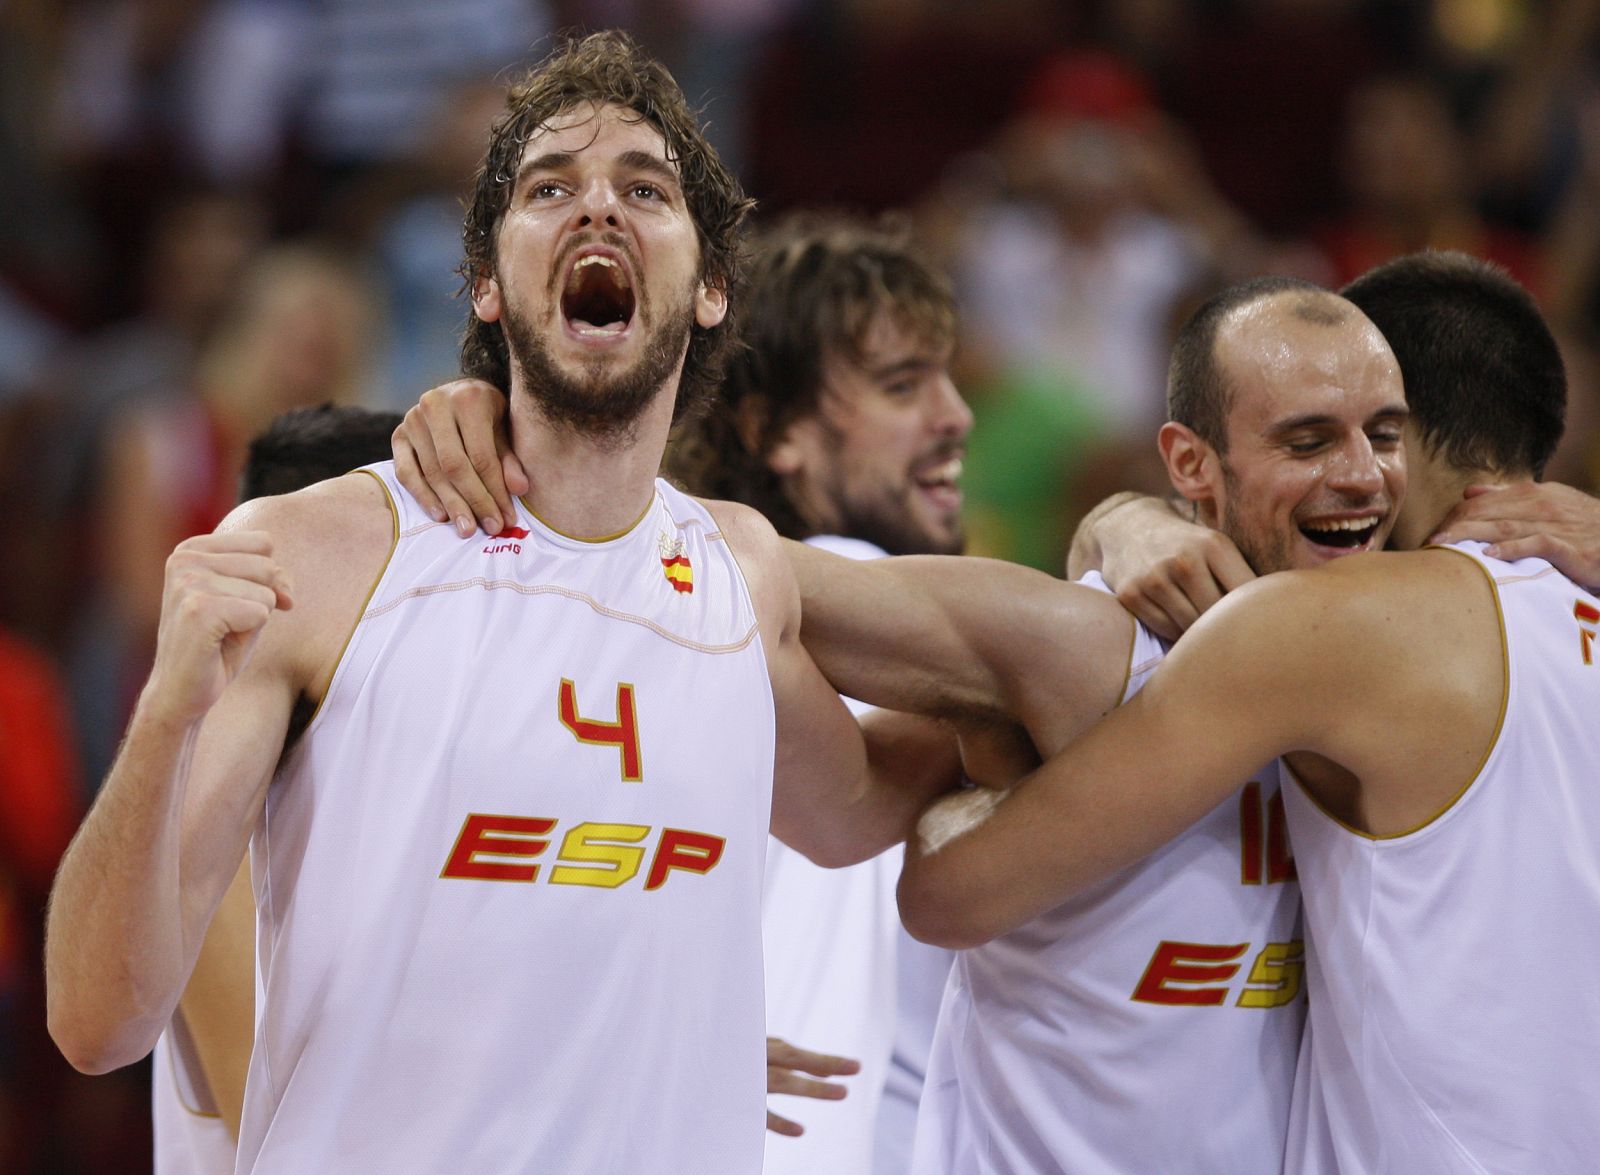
1332	662
826	802
149	866
973	640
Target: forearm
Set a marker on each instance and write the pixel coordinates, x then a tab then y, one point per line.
1085	553
117	949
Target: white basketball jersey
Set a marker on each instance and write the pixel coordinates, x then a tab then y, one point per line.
1148	1025
1455	1017
190	1135
835	954
508	884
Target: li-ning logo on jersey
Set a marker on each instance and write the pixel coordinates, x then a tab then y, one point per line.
675	563
506	540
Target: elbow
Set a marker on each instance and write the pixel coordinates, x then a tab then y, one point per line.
90	1044
940	920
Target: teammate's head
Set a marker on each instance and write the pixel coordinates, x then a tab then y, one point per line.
309	445
841	416
1483	376
1286	430
599	156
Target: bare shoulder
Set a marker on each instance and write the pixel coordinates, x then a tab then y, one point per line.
759	552
333	541
746	529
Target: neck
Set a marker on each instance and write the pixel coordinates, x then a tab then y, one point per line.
1430	500
587	486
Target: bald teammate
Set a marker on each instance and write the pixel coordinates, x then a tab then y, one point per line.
1438	713
1071	1042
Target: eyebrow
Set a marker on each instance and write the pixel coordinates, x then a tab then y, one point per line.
906	366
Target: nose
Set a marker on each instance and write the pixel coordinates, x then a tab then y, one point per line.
1357	469
948	413
597	205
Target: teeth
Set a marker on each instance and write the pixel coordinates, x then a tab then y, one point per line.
620	276
1345	524
948	473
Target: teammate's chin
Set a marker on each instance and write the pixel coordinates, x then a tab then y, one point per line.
594	396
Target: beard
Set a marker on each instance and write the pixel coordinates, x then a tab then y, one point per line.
889	526
600	404
1264	553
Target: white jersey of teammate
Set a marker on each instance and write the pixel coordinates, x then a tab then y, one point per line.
1148	1025
1455	1025
835	951
190	1135
508	883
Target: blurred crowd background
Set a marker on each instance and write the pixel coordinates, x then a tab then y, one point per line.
214	210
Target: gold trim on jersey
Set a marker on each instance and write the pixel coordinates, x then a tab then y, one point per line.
605	538
1494	740
177	1085
550	589
1508	579
394	543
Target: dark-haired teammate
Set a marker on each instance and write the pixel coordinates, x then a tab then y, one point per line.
508	882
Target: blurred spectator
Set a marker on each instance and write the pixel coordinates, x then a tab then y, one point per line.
1106	224
296	335
1404	166
417	246
198	247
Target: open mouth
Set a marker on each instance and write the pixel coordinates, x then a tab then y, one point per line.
942	479
598	297
1349	533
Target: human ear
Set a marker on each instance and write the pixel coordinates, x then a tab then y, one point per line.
710	305
486	303
1192	464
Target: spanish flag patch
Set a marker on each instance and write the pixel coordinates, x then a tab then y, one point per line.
675	565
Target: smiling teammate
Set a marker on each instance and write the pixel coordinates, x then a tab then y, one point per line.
508	880
1439	706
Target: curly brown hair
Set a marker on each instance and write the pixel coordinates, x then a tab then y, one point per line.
608	68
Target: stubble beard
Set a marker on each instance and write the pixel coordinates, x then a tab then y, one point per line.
1264	553
599	404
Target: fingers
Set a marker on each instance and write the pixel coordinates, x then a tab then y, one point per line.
426	481
408	467
516	478
783	1126
453	476
780	1053
1160	607
1228	567
1533	546
482	442
237	563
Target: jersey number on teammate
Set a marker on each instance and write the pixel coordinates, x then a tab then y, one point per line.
1193	974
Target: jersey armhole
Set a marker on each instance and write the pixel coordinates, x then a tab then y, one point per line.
366	601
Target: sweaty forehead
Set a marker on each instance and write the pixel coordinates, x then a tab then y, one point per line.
1280	366
588	125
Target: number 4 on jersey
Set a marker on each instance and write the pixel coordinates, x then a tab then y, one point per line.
622	734
1586	614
